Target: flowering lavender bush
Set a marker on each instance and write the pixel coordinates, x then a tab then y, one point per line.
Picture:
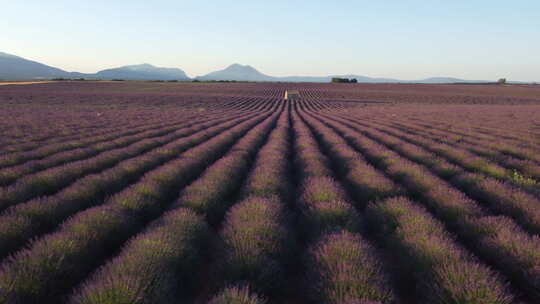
150	192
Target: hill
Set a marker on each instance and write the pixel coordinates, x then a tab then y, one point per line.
237	72
142	72
17	68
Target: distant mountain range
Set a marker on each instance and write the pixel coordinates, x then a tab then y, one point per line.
143	72
239	72
16	68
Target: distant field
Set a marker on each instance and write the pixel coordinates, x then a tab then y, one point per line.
140	192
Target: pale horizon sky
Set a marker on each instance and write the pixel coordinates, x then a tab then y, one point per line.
479	40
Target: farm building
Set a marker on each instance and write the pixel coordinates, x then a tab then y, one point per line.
292	94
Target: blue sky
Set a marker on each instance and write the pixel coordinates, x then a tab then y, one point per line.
402	39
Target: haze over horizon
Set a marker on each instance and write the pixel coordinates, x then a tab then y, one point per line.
405	40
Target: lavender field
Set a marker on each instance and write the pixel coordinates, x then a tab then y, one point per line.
141	192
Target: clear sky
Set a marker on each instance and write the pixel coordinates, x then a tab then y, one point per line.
473	39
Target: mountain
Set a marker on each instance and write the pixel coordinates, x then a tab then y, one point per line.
435	80
142	72
16	68
363	79
238	72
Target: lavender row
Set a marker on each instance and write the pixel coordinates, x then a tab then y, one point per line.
464	159
52	180
257	245
444	272
498	196
13	159
119	109
156	266
257	238
46	151
38	123
513	256
324	205
11	174
481	133
342	266
512	145
77	142
480	127
38	216
51	139
55	263
108	277
75	134
210	195
270	172
522	170
444	286
493	148
496	145
365	183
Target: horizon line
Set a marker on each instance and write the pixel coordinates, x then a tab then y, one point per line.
288	76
